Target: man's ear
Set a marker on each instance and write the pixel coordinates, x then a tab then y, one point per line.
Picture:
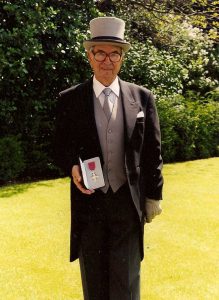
88	56
123	55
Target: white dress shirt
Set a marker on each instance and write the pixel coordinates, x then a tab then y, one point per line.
114	95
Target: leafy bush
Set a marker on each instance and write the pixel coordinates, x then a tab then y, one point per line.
12	158
189	128
158	70
41	53
188	63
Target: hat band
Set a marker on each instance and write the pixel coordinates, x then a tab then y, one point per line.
107	38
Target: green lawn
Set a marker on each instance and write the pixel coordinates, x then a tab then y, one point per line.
181	246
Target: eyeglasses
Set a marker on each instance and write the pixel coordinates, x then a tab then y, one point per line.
100	56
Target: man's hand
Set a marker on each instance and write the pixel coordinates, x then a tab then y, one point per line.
152	209
77	178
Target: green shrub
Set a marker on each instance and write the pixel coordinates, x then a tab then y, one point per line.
41	53
157	70
189	127
189	63
12	158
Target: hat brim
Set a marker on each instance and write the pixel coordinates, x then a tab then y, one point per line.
122	44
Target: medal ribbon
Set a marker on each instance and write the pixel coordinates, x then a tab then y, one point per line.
91	165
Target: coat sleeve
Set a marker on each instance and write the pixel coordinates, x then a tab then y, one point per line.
66	139
151	162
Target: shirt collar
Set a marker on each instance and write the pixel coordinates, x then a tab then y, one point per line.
99	87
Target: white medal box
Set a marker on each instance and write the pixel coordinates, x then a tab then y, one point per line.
92	173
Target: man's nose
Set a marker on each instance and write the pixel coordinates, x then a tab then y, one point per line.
107	60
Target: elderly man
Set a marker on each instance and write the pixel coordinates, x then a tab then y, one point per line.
117	122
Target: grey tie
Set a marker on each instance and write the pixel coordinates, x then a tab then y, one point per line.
106	107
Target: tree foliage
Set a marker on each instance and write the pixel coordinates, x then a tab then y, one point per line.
201	13
41	53
12	158
189	127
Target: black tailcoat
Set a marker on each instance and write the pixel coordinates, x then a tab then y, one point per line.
77	136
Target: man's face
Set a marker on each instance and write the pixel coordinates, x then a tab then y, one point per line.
105	71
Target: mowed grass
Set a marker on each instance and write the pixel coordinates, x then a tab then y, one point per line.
181	246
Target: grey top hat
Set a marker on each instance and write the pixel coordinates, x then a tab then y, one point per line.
107	30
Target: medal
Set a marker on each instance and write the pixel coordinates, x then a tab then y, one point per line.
92	173
92	166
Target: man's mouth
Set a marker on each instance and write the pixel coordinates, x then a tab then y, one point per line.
107	69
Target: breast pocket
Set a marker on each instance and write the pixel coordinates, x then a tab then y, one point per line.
140	120
138	133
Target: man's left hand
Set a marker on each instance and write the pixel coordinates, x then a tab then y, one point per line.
152	209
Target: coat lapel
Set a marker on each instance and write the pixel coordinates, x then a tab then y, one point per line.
89	105
131	107
89	117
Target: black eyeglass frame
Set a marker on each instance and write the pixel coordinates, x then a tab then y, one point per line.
107	55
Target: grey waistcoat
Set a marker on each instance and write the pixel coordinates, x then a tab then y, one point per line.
111	136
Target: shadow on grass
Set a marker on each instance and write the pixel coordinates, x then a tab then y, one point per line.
14	189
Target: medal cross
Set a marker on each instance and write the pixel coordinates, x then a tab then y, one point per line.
94	176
